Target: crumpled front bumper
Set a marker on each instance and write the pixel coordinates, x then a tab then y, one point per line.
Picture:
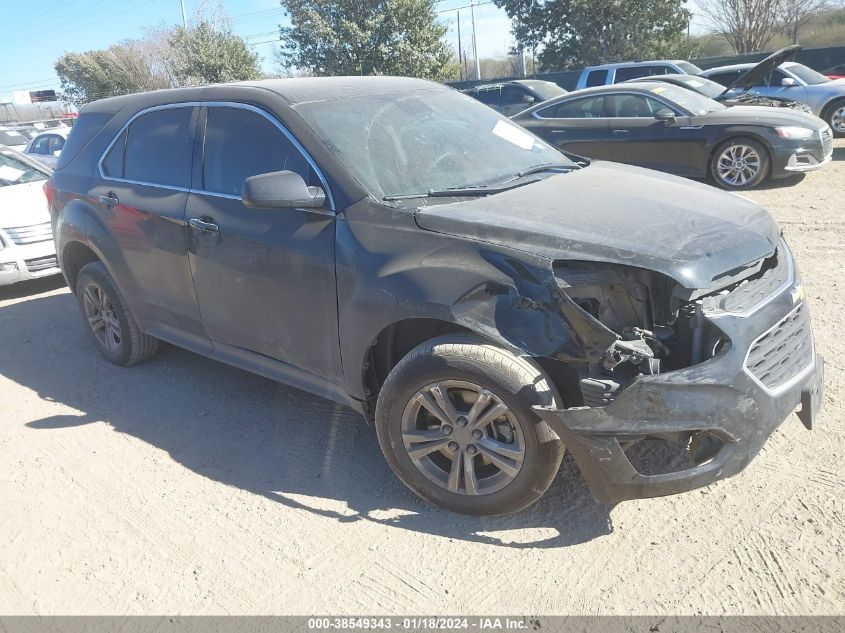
720	396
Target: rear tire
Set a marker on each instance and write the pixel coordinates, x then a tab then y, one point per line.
493	458
115	332
739	163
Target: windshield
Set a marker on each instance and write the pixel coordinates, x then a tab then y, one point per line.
424	140
690	69
807	75
14	171
709	89
692	102
11	137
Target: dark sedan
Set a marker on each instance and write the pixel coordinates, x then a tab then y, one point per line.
665	127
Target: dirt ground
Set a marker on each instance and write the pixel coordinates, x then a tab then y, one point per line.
185	486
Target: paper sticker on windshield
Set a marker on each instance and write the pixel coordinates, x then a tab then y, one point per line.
658	89
513	134
10	173
695	83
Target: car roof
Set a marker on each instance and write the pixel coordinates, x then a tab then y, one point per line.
62	130
634	64
638	87
293	91
733	67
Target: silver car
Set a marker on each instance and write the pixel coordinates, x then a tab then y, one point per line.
47	146
790	80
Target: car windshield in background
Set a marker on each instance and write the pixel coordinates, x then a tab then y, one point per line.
691	69
807	75
709	89
546	89
14	171
691	101
398	144
11	137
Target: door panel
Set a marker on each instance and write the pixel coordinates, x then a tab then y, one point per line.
577	126
146	217
638	138
265	278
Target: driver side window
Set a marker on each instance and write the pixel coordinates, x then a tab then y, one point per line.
240	143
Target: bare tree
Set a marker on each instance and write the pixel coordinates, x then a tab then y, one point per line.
747	25
796	13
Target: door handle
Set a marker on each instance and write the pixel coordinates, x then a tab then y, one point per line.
110	200
202	225
621	131
558	131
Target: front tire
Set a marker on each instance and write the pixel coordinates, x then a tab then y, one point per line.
739	163
455	423
115	332
834	116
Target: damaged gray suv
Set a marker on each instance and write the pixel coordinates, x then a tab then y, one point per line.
396	246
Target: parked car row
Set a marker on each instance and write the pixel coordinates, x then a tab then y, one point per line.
762	120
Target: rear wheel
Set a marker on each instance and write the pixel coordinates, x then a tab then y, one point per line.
113	329
455	423
739	163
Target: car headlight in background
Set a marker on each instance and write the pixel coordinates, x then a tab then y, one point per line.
795	132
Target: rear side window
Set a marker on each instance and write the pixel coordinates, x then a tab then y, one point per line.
591	108
511	95
240	143
159	148
85	129
489	96
596	78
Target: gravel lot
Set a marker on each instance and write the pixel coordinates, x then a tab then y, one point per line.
185	486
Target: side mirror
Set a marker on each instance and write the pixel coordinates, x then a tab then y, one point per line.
788	82
281	190
665	115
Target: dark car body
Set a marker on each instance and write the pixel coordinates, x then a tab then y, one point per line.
835	72
683	145
512	97
727	96
330	298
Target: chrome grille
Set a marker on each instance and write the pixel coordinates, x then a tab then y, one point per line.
784	351
827	141
41	263
22	235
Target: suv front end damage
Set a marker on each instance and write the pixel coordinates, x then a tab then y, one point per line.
713	375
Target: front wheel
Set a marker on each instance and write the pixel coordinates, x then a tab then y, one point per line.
739	163
455	423
834	115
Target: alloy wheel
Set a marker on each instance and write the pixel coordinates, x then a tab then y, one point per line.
463	438
738	165
837	120
102	317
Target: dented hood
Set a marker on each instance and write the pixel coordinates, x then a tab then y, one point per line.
607	212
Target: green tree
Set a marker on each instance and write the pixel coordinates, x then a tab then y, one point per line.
120	69
352	37
583	32
206	54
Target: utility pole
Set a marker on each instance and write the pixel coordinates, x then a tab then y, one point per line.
184	17
474	45
460	51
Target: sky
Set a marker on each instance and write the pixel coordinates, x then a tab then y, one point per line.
34	35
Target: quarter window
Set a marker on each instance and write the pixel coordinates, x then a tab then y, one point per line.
240	143
159	147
